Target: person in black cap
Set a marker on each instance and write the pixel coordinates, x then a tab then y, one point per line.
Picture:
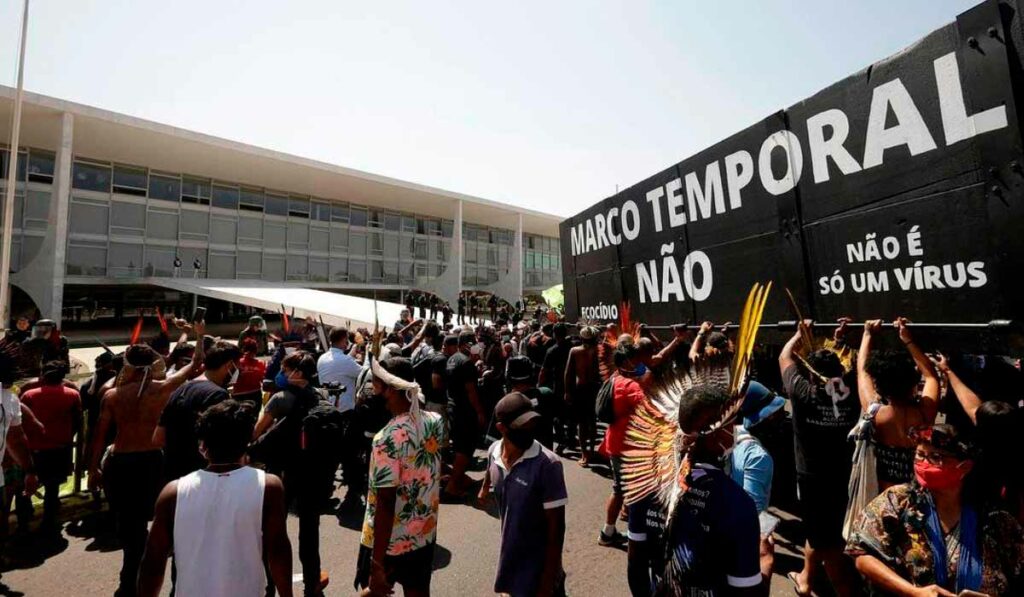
519	373
529	487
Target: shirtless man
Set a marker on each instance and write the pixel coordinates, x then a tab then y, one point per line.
132	472
582	381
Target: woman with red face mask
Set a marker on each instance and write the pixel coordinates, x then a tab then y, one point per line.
931	537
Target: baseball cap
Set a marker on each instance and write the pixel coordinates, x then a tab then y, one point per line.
514	411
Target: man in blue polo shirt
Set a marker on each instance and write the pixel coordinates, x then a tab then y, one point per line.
713	536
529	488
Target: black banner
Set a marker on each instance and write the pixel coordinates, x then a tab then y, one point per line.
896	191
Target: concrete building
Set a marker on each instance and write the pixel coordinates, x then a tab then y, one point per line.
106	203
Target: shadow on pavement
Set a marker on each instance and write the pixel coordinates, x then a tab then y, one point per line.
442	557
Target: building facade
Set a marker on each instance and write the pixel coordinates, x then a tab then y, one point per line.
107	204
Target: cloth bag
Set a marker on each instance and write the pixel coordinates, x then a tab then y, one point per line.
863	485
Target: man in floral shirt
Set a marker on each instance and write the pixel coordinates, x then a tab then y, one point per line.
399	531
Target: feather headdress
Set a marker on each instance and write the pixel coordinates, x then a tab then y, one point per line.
652	462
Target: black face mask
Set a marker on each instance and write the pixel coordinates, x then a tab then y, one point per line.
520	438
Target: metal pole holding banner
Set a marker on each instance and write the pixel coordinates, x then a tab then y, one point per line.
995	324
12	183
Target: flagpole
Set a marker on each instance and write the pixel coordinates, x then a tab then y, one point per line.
12	183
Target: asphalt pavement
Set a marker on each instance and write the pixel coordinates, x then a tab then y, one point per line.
82	565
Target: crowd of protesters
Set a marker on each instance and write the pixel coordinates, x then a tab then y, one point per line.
903	460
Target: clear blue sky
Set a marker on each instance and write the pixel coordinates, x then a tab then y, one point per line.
547	105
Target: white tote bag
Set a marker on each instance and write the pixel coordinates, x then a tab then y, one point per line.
864	476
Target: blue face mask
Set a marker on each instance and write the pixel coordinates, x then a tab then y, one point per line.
640	370
281	380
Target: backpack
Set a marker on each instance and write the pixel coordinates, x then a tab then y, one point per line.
604	406
323	432
313	430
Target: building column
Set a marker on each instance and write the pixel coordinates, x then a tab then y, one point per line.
516	259
457	250
59	211
43	277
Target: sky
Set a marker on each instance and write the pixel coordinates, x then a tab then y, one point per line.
548	105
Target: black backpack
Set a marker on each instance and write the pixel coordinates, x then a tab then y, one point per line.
604	406
323	432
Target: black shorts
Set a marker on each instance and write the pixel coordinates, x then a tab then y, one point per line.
53	466
823	500
465	432
584	402
412	569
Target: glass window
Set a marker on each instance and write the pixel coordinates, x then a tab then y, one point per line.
273	268
339	269
298	234
130	180
407	273
376	218
159	261
89	217
434	250
530	262
195	225
40	166
357	244
298	207
391	246
358	216
222	231
420	248
356	270
339	239
319	240
392	222
432	227
376	272
376	244
422	270
30	247
391	272
86	260
469	275
91	177
339	213
481	253
251	200
22	164
194	190
250	231
225	197
164	187
545	261
222	266
19	209
405	247
317	270
249	262
127	218
162	224
447	228
35	211
276	205
321	212
408	224
125	260
274	235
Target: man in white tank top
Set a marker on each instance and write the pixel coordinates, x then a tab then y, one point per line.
220	521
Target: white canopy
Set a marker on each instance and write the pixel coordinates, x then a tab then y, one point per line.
335	309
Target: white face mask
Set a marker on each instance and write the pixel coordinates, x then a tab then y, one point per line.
234	377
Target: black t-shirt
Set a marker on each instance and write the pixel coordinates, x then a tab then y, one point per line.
554	363
424	371
459	371
181	450
713	540
822	418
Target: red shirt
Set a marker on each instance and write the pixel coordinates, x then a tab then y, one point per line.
57	408
626	396
250	375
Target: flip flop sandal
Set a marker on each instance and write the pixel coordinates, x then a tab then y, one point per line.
796	585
